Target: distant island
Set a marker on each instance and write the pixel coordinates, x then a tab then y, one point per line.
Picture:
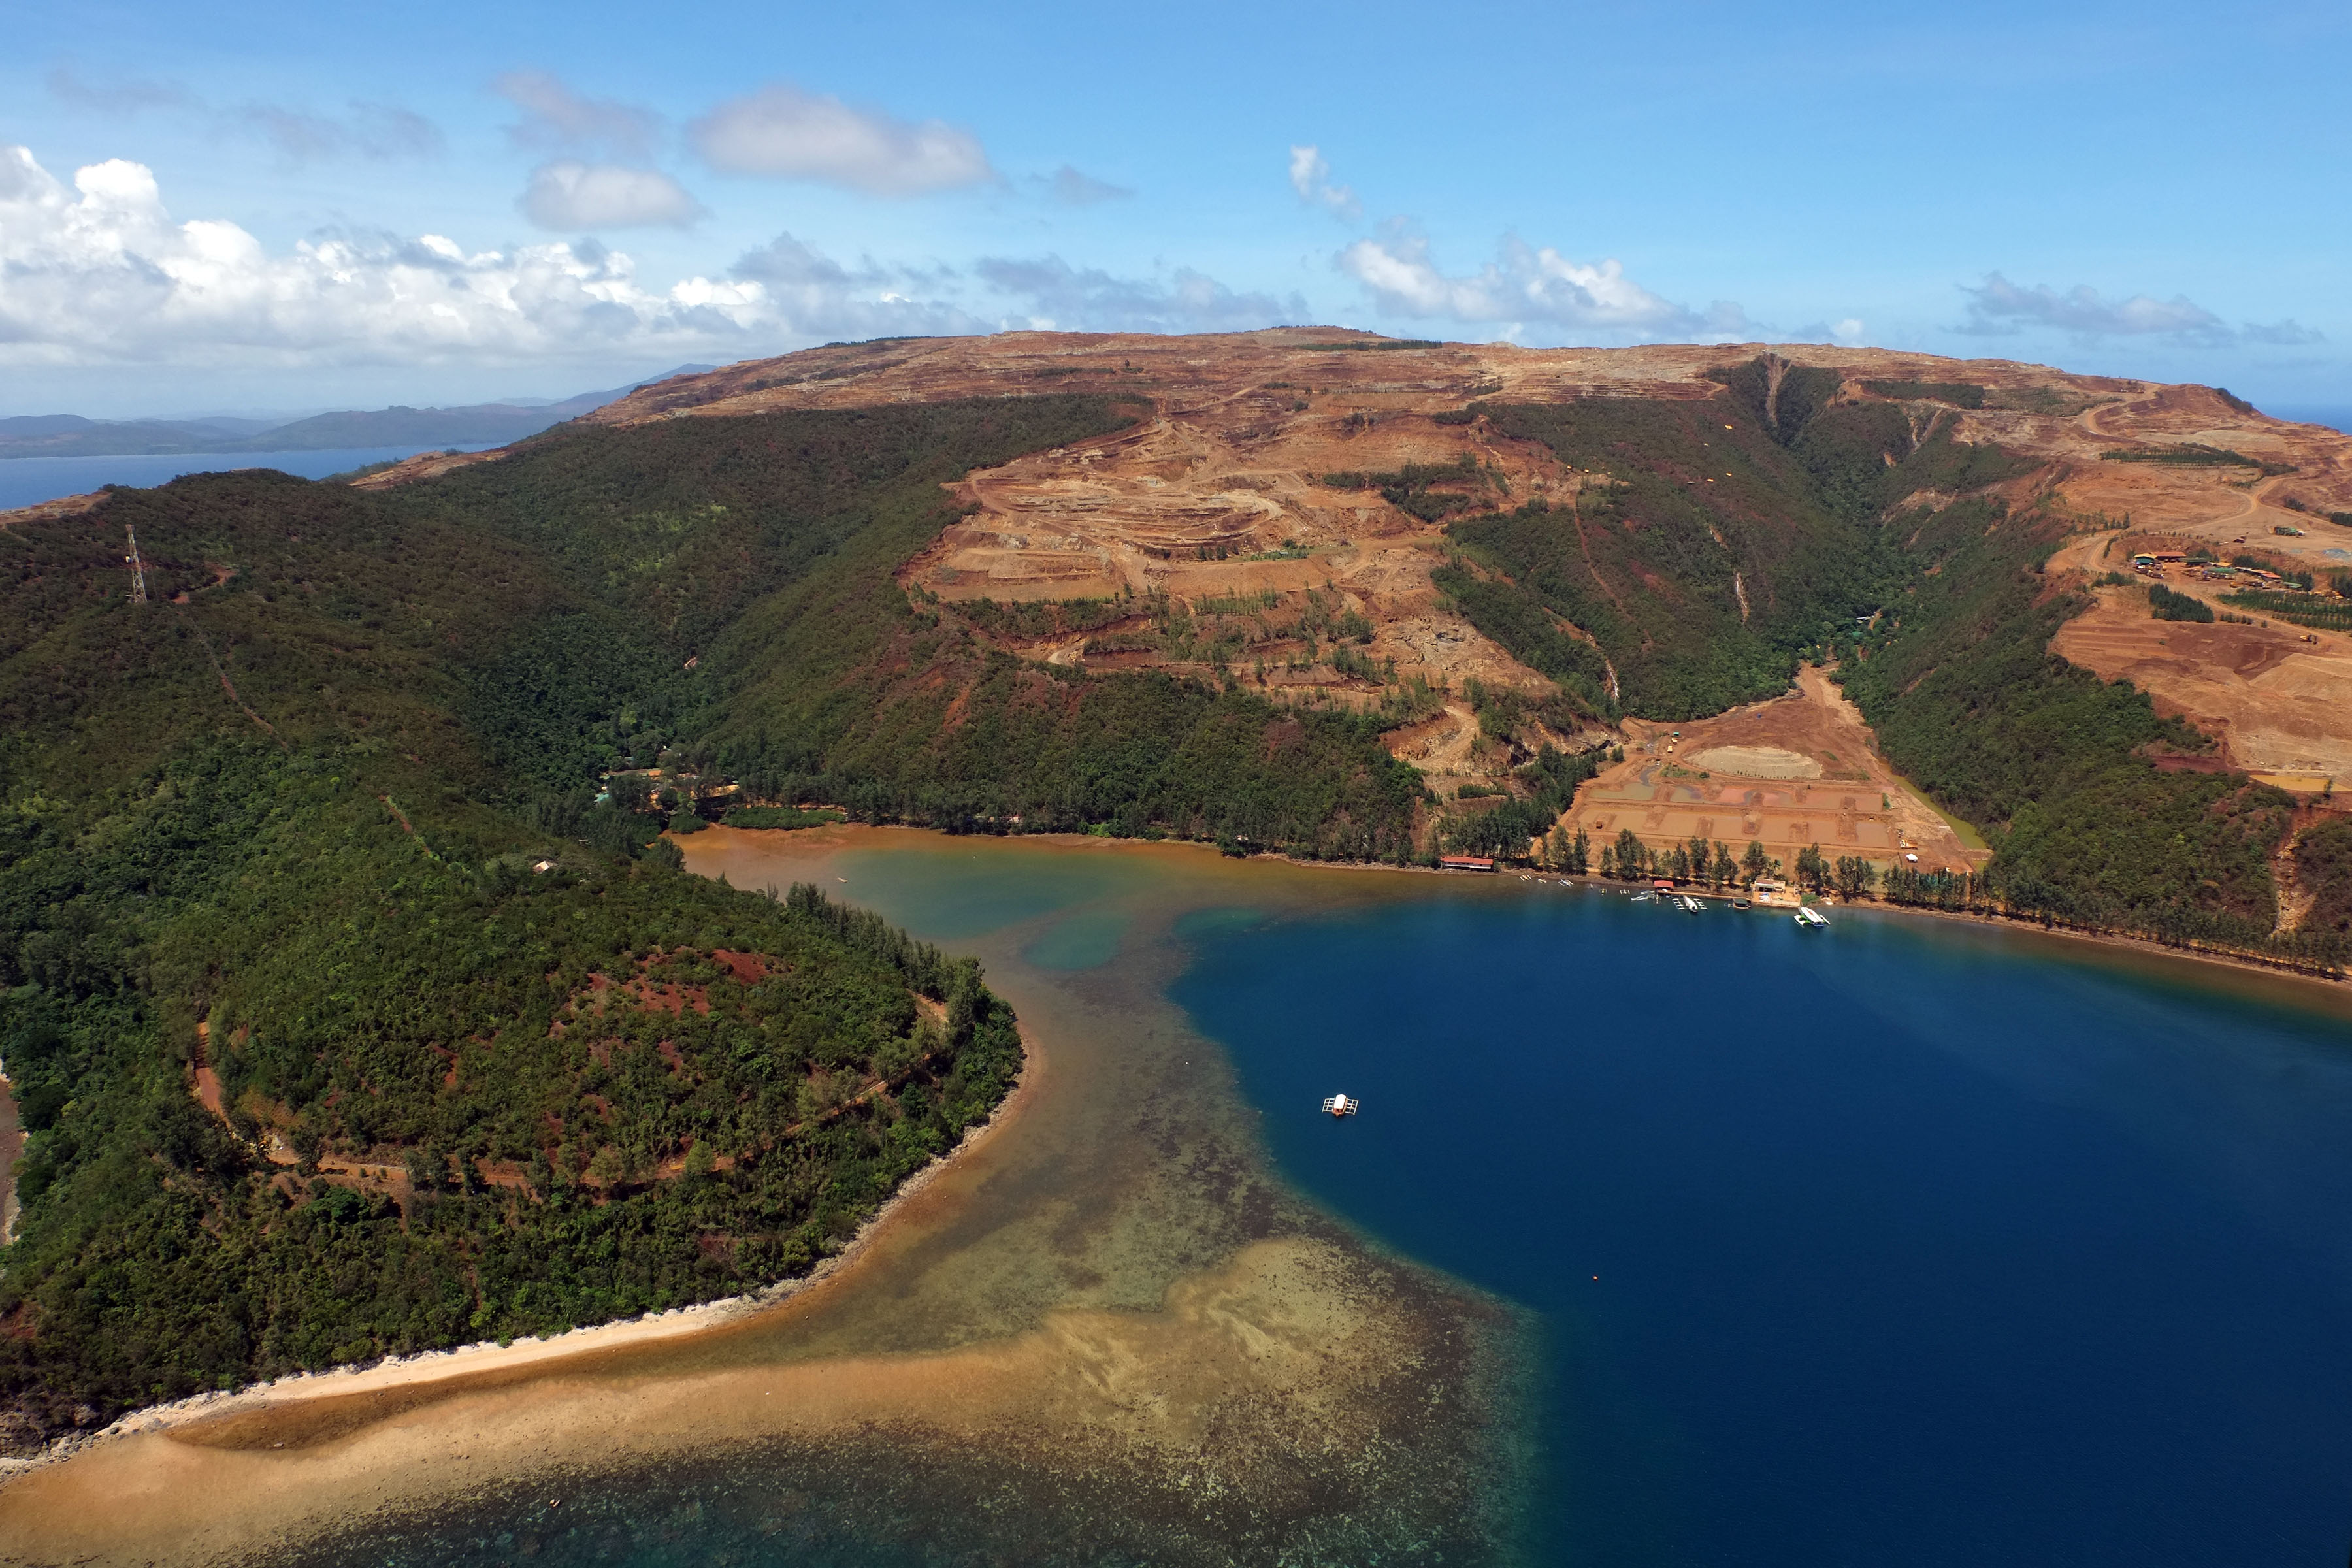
480	424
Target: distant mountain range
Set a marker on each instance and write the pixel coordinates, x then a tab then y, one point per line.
481	424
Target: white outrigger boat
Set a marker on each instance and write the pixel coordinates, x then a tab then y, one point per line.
1339	1105
1810	919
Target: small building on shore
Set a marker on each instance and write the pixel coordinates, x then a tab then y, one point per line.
1465	863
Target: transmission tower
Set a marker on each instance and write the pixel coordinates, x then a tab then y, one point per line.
138	567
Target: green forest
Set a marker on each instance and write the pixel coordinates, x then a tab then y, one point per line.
1707	544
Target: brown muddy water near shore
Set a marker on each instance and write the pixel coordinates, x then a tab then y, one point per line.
1104	1332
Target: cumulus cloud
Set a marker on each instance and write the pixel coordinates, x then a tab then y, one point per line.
100	272
1054	294
556	118
371	131
611	187
1073	189
1310	176
796	264
569	194
821	298
787	133
1526	286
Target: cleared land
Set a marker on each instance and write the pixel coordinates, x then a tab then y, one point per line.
1789	773
2276	696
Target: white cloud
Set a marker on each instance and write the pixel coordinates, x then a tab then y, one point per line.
795	263
1073	189
1310	176
821	298
1525	286
556	118
100	273
783	132
1054	294
569	194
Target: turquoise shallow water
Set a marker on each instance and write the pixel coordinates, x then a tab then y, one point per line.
1897	1242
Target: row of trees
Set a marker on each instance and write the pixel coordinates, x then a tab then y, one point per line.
1713	865
2324	940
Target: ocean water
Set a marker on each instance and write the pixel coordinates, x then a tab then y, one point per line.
1905	1242
26	481
2335	416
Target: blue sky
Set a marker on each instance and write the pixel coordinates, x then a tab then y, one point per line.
290	206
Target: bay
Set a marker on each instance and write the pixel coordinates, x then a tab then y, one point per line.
28	481
1903	1242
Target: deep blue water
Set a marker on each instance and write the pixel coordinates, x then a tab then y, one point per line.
2337	418
25	481
1891	1244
